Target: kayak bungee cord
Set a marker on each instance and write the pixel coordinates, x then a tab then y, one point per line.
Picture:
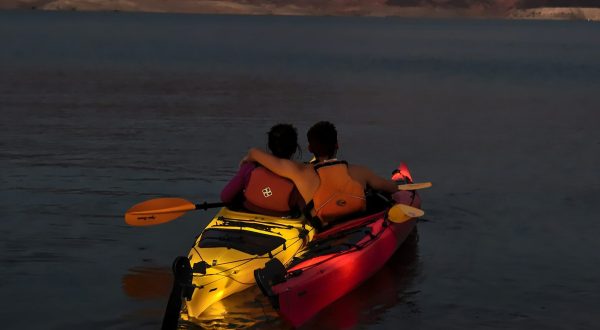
244	260
241	261
298	238
353	248
263	223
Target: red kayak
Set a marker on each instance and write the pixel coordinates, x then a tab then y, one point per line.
338	259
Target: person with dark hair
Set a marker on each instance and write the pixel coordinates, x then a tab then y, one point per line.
331	189
322	139
259	190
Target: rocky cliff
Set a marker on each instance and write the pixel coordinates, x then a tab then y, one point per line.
518	9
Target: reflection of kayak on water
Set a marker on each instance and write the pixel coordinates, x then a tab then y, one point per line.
243	309
146	283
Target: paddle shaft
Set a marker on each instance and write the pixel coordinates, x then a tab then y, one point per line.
161	210
180	208
206	206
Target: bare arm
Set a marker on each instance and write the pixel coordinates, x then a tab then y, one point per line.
305	178
376	182
282	167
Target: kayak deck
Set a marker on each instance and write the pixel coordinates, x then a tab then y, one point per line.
231	247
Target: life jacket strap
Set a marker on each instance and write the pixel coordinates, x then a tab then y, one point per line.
329	163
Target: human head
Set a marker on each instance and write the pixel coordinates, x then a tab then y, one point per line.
283	140
322	139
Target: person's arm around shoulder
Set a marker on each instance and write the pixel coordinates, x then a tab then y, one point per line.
373	180
304	176
280	166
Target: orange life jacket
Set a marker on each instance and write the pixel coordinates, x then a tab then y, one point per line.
268	193
338	194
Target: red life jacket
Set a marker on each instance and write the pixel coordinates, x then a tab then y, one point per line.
338	194
268	193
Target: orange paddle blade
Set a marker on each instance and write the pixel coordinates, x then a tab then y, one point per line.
414	186
157	211
400	213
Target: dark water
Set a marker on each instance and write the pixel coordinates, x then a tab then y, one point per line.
103	110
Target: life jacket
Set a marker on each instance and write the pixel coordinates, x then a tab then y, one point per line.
268	193
338	194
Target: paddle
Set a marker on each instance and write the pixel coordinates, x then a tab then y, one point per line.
414	186
400	213
160	210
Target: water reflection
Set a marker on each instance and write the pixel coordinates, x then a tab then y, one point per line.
386	289
249	309
145	283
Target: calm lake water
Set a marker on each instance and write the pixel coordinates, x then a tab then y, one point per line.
101	111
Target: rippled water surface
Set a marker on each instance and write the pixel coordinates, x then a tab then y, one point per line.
104	110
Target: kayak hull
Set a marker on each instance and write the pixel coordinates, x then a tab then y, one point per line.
302	297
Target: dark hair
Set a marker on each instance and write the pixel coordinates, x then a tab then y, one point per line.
283	140
322	138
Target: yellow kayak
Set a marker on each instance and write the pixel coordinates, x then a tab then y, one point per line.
231	247
224	256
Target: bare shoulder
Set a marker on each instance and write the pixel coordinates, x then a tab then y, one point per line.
283	167
289	168
299	167
359	170
360	173
306	170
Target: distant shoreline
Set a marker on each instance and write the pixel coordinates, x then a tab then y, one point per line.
243	8
587	14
